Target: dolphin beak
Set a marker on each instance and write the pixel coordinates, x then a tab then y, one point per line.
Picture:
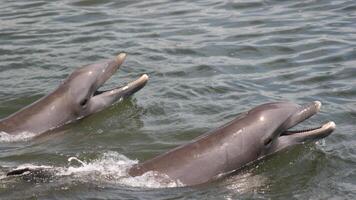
103	99
303	113
107	69
120	58
123	91
313	134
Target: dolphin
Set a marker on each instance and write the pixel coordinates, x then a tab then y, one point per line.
76	97
253	135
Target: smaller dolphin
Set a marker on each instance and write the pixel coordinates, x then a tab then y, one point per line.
253	135
77	97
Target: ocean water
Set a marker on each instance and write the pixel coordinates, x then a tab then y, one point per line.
208	61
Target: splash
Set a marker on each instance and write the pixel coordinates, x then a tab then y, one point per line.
34	167
110	168
113	168
24	136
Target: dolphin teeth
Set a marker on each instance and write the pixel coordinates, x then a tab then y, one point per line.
328	125
306	130
292	132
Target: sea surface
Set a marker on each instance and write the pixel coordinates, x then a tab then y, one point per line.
208	61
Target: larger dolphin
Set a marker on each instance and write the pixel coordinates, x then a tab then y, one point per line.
75	98
253	135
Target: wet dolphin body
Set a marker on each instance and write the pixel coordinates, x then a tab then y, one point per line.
253	135
75	98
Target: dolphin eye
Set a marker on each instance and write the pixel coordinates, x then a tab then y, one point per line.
268	141
84	102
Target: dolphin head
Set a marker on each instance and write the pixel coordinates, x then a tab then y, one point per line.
82	87
77	97
275	120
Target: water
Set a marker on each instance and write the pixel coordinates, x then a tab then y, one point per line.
208	61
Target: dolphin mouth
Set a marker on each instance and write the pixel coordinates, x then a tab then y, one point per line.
314	133
121	91
125	90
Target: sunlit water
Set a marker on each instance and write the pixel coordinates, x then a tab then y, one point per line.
208	61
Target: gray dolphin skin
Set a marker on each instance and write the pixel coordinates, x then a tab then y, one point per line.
78	96
250	137
253	135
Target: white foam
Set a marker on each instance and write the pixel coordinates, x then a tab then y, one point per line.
246	182
110	168
24	136
31	166
113	168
